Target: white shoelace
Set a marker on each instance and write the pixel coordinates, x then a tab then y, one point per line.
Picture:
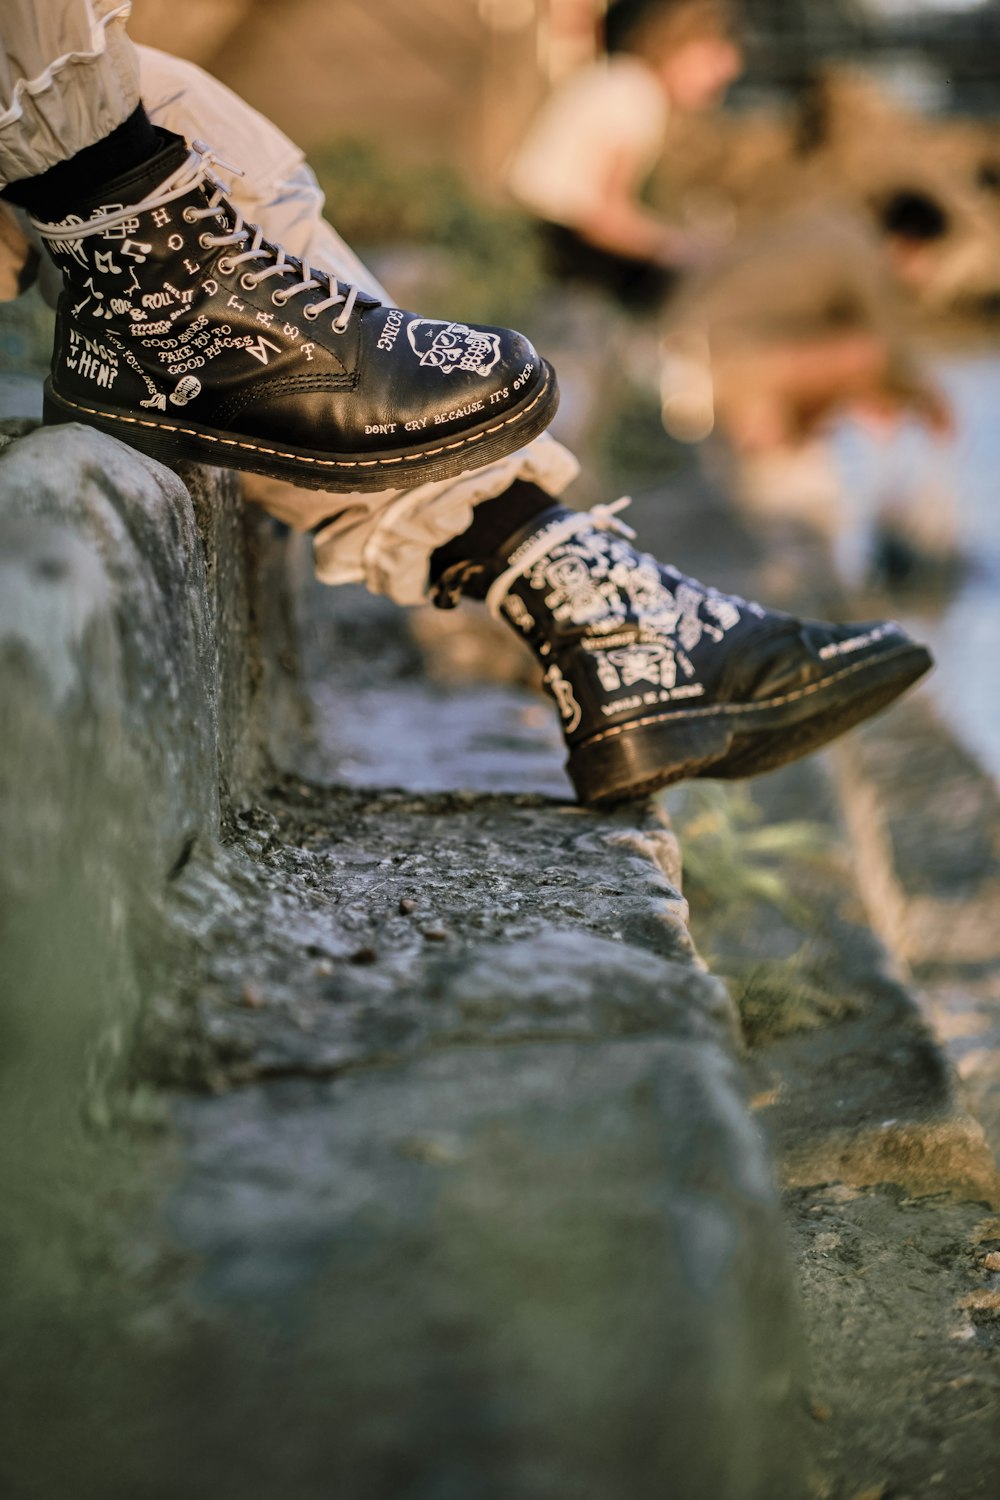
194	171
603	517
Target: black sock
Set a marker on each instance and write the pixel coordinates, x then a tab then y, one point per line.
493	522
79	181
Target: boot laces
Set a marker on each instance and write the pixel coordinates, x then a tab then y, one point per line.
196	170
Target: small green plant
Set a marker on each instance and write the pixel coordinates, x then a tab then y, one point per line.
748	886
493	263
777	997
731	859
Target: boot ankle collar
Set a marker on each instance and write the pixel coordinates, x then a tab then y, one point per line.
195	168
245	242
540	540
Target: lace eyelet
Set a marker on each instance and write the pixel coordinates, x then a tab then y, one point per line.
226	265
189	215
278	298
309	313
205	241
248	282
338	326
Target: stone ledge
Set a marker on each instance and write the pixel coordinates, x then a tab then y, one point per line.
133	678
925	820
138	583
104	544
476	1103
480	1111
861	1091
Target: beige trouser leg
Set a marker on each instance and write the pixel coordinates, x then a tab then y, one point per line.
68	76
383	540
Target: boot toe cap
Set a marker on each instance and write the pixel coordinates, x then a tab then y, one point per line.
811	652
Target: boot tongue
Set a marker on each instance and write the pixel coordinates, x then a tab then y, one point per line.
536	527
139	182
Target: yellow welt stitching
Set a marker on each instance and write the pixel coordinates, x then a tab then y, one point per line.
328	463
741	708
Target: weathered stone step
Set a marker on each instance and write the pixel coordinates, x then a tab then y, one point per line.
871	1095
890	1186
470	1201
925	820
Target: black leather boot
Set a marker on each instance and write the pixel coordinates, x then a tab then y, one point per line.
658	678
184	332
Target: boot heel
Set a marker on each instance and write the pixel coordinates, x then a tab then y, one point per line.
638	761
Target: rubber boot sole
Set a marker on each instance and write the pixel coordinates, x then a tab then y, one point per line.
737	740
186	442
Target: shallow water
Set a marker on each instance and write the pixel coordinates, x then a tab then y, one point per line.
941	489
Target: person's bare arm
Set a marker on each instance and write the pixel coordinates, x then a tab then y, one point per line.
620	223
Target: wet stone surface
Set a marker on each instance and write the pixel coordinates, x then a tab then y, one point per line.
341	929
902	1329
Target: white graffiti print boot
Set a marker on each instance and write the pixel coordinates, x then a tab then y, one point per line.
658	678
184	332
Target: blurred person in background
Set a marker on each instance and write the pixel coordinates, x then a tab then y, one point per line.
795	319
768	336
797	324
582	167
655	676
